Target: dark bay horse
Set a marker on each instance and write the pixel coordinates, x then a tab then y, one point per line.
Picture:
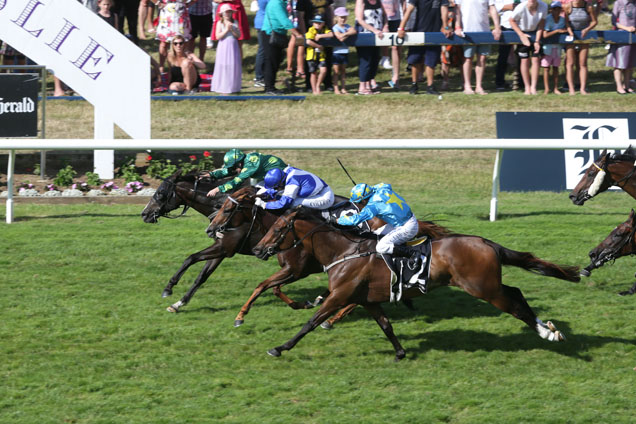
239	211
184	190
471	263
620	242
609	170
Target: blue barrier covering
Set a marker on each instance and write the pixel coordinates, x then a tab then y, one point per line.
471	38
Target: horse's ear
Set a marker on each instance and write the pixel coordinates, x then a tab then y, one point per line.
177	174
632	215
604	156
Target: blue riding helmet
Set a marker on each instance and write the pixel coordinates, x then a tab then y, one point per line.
233	157
273	178
360	192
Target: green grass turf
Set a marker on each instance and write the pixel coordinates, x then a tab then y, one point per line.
85	337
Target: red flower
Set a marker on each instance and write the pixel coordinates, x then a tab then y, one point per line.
149	157
207	154
192	157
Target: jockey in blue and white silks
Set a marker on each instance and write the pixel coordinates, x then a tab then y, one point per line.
299	188
383	202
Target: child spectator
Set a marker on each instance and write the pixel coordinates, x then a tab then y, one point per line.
173	21
342	31
241	20
579	16
623	58
227	67
316	57
183	67
551	60
90	5
526	18
105	12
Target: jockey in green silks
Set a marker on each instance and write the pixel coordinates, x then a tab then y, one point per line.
251	165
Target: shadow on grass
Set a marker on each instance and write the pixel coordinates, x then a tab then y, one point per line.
576	345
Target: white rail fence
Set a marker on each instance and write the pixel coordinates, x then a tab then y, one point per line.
310	144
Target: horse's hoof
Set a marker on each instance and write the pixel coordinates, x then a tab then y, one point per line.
273	352
238	322
326	325
172	309
308	304
585	273
399	356
318	301
625	293
551	326
166	293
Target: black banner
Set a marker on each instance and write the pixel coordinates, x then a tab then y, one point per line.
19	105
555	170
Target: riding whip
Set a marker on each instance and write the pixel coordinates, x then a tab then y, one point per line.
346	172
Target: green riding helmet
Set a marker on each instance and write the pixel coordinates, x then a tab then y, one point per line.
232	158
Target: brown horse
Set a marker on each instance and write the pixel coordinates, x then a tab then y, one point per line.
469	262
239	211
620	242
185	190
609	170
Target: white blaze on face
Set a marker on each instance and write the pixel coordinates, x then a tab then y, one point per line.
596	185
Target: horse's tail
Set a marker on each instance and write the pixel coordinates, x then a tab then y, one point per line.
529	262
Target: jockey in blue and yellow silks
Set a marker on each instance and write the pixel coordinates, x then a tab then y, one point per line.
381	201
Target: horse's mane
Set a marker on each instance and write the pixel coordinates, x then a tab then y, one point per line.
628	155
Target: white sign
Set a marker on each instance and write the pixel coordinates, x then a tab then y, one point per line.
581	129
85	52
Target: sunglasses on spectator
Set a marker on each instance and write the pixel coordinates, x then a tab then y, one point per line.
178	43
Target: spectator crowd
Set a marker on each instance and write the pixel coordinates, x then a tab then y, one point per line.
288	34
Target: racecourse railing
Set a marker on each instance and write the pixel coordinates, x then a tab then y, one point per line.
472	38
497	144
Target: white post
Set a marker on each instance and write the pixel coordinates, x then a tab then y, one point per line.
495	186
104	160
10	186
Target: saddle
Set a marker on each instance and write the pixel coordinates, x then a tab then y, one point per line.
404	275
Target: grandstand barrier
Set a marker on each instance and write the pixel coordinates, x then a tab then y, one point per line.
473	38
311	144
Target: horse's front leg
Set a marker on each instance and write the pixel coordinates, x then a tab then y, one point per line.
209	267
380	317
331	304
283	276
208	253
628	292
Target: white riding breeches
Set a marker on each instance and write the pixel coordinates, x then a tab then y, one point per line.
399	235
322	200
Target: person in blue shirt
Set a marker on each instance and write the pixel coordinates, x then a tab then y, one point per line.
381	201
298	188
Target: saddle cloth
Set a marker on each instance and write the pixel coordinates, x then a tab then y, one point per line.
404	276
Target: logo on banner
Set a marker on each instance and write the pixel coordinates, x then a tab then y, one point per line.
581	129
26	105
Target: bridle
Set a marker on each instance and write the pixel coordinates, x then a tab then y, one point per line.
613	255
174	194
603	172
274	248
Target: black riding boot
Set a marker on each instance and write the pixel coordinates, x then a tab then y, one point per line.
415	261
